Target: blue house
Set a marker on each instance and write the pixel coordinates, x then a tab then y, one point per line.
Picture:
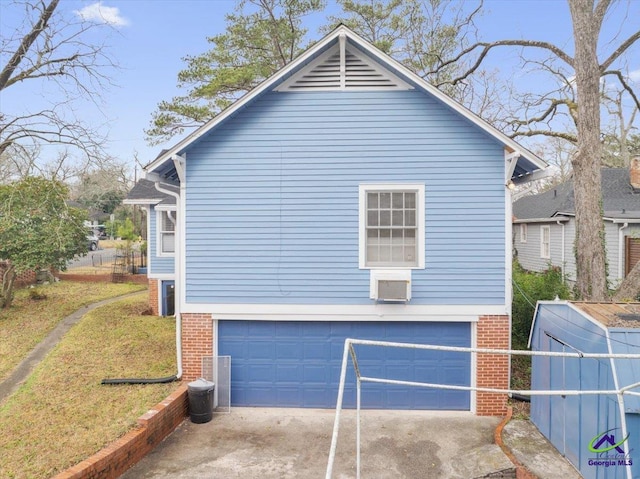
342	197
599	434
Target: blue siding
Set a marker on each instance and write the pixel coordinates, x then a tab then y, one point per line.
627	341
571	422
297	364
158	265
272	199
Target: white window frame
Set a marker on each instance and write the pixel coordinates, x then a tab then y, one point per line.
545	247
523	232
160	233
419	189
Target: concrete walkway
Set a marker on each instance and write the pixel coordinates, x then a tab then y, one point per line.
535	452
24	369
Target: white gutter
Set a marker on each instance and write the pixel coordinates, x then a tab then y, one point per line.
621	249
161	188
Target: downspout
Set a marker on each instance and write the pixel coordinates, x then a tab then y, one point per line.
562	257
178	242
621	250
178	375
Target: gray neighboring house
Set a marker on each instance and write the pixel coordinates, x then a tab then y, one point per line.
544	225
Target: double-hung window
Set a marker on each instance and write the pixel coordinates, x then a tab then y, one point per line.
166	232
392	226
523	232
545	242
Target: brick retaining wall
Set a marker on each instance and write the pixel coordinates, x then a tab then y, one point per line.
153	426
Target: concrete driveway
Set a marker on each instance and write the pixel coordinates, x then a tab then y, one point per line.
294	443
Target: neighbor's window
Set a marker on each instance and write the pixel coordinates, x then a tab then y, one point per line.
545	242
167	232
523	233
391	226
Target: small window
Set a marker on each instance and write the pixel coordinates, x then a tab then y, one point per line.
166	232
545	242
391	226
523	233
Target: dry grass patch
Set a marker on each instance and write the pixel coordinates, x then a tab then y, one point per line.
30	319
63	414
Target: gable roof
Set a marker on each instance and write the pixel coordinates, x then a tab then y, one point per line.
144	192
527	162
620	199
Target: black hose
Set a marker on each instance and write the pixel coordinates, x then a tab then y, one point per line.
520	397
168	379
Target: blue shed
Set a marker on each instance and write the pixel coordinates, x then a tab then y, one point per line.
599	434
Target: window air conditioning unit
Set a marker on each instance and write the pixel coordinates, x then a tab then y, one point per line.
392	286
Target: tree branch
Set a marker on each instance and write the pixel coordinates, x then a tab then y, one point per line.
553	134
624	84
620	50
486	47
26	43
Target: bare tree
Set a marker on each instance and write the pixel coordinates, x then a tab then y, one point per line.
619	140
55	50
575	102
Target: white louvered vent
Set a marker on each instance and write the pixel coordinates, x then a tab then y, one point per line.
343	68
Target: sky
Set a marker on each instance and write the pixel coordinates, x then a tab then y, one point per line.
150	38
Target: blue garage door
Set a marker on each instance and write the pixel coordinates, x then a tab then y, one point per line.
297	364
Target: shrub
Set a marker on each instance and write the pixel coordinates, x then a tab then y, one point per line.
528	288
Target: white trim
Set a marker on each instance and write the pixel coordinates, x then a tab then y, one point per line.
141	201
621	220
622	257
346	312
147	209
543	254
162	276
181	257
473	396
508	256
552	219
166	207
385	60
419	188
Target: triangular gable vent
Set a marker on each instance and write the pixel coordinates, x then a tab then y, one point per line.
343	67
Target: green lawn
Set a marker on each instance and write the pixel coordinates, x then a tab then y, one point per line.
63	414
29	320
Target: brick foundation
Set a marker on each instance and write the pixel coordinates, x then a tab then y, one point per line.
197	341
492	369
115	459
154	288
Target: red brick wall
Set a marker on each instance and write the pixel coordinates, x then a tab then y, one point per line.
100	278
154	286
22	279
115	459
197	341
492	369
